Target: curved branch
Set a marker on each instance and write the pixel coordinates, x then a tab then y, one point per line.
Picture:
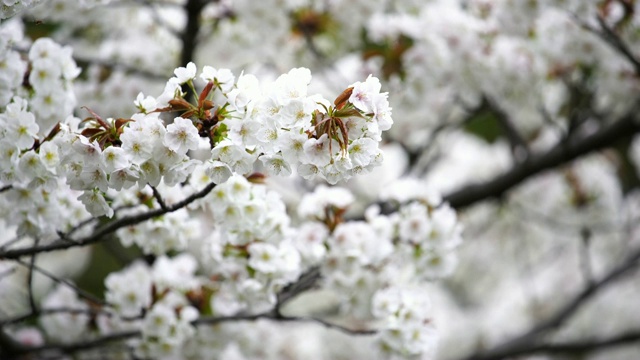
562	153
574	347
121	336
107	228
529	342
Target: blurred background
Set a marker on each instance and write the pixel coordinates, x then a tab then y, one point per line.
522	114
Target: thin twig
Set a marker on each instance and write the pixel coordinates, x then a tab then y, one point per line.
53	277
158	197
108	228
32	264
585	255
51	311
306	281
519	146
272	315
610	37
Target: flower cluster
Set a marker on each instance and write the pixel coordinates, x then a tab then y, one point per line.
361	259
30	161
65	327
408	324
8	8
249	250
276	127
280	124
154	300
51	73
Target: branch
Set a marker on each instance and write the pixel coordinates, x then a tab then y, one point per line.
189	36
78	346
519	146
107	228
32	264
305	282
590	345
64	310
612	39
53	277
529	342
158	197
103	340
275	316
562	153
576	347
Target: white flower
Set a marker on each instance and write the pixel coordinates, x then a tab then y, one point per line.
415	225
222	77
90	151
275	165
263	257
184	74
115	158
362	151
317	150
363	94
22	127
145	104
310	241
218	171
137	145
313	205
123	178
94	177
291	144
31	166
95	203
181	136
129	290
45	75
175	273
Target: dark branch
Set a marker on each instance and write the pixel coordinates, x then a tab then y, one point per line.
530	341
275	316
32	264
519	146
158	197
107	229
58	280
610	37
39	312
104	340
562	153
567	348
307	281
189	36
78	346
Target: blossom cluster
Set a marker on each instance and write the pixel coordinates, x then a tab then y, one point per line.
407	315
31	158
9	8
280	124
361	260
240	121
253	252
